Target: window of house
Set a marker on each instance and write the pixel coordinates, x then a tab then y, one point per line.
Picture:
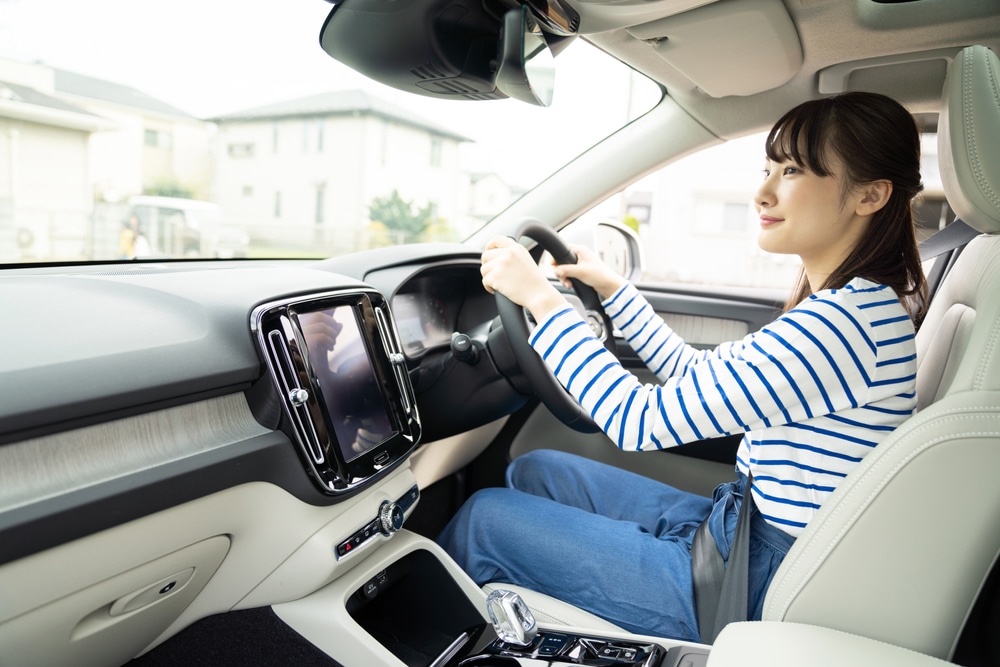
435	151
240	150
721	216
320	202
158	139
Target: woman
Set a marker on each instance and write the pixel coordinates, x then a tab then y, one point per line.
814	391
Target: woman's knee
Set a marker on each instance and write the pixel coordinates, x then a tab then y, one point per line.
527	471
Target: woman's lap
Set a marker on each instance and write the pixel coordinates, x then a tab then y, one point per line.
614	543
602	489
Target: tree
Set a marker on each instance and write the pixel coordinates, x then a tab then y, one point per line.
169	188
399	215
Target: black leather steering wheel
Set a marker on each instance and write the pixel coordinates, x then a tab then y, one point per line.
516	327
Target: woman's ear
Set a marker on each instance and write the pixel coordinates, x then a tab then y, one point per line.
873	196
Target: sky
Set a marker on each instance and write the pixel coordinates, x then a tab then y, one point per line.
211	57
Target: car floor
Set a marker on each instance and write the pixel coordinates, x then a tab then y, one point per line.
248	638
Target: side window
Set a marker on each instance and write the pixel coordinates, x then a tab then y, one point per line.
696	222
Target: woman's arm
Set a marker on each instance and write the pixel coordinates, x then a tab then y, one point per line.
790	371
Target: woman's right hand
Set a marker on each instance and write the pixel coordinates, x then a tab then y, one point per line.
589	269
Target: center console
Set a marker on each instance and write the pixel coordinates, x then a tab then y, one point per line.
407	604
362	588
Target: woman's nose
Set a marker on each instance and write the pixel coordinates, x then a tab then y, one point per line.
765	194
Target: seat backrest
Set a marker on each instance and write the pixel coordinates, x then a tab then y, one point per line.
900	552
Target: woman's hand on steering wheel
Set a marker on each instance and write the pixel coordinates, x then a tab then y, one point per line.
511	274
590	270
509	269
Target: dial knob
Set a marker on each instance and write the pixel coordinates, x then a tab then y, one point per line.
390	518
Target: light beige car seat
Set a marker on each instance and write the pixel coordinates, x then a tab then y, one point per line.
900	552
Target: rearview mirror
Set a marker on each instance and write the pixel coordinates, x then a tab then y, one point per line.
527	67
469	49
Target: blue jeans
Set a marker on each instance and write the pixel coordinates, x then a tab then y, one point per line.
604	539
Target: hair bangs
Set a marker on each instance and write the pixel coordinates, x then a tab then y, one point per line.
800	137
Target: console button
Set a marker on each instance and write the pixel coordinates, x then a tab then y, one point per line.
551	645
609	652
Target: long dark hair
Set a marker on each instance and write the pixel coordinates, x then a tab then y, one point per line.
875	138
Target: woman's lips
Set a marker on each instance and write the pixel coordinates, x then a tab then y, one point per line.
767	220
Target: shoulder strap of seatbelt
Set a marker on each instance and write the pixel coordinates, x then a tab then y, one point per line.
955	234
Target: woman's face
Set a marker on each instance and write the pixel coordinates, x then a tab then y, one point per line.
808	215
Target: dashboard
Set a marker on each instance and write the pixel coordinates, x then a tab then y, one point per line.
89	346
182	439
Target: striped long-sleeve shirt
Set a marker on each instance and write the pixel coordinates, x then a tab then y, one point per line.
814	391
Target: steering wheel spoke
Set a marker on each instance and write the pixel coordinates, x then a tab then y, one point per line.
517	329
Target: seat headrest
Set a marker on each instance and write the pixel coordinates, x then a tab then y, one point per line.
969	138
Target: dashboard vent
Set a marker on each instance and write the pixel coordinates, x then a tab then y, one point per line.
396	358
294	396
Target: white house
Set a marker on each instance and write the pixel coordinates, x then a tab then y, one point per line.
152	144
68	141
307	169
45	189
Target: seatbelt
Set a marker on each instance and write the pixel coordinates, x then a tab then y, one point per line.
953	235
720	592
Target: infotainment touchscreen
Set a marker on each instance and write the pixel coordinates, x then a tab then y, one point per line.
359	414
342	384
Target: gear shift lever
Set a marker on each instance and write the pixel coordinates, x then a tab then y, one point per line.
511	617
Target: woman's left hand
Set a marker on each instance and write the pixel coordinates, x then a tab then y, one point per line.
509	269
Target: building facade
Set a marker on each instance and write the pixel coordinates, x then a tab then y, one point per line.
305	172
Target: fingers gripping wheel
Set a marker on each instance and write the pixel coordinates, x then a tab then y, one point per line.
516	328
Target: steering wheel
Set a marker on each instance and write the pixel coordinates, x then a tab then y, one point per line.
517	329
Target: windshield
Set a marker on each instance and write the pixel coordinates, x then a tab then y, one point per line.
132	129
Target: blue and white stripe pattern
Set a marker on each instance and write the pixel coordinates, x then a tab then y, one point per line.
814	391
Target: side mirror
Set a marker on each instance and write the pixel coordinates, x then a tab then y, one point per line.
450	49
616	244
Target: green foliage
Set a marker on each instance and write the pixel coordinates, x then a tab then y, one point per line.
169	189
399	215
631	221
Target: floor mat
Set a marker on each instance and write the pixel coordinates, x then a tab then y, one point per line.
253	637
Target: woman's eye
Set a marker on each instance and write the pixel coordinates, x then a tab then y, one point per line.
791	170
766	172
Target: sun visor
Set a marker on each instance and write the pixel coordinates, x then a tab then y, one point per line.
741	47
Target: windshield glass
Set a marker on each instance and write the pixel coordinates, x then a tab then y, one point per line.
132	129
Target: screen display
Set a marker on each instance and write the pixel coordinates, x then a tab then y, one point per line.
358	410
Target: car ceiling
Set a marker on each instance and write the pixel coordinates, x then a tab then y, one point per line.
901	49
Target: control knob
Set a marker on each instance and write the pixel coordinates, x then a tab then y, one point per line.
390	517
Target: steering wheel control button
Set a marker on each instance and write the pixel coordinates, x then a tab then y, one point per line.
597	326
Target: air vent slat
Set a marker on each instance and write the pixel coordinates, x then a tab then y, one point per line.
289	383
